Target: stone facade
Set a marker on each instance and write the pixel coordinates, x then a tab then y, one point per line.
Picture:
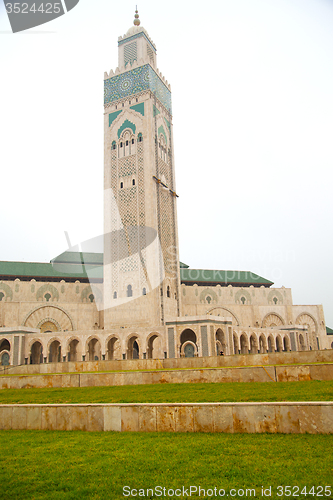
139	304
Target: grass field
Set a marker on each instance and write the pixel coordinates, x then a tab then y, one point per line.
176	393
78	465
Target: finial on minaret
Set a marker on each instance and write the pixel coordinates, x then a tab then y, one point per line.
136	21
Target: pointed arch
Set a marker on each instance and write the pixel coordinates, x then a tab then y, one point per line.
126	125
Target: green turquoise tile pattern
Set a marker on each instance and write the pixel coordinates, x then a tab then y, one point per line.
155	111
134	37
126	124
113	116
135	81
168	124
140	108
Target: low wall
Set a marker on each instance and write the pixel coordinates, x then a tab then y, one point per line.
288	373
312	417
278	358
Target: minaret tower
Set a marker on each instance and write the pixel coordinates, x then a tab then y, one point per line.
141	263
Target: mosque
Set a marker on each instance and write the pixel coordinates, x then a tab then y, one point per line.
126	295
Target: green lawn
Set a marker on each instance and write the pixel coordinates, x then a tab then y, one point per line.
81	465
178	393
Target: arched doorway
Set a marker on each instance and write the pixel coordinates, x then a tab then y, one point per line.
271	344
253	345
301	342
133	350
113	348
36	356
55	352
189	350
286	343
262	344
154	347
220	342
94	350
72	353
244	344
5	359
279	346
188	343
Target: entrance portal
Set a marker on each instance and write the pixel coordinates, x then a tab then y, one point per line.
189	351
5	359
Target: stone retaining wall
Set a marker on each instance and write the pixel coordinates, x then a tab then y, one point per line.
309	417
216	375
278	358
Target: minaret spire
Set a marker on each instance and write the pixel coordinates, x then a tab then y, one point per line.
136	21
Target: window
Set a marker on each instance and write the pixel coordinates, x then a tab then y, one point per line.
209	299
121	185
114	295
133	182
47	297
126	143
113	145
91	297
1	296
275	300
132	141
243	300
129	291
140	137
121	144
168	291
144	291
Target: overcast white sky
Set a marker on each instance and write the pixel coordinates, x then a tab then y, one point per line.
252	89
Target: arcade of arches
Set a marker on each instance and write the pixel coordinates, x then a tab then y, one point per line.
95	348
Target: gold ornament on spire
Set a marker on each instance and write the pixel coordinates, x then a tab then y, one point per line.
136	21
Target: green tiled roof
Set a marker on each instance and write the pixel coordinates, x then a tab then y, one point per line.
72	266
329	331
47	271
79	257
215	277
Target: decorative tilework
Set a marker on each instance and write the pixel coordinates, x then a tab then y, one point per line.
47	288
162	131
135	81
168	124
126	124
242	297
155	110
5	288
113	116
140	108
